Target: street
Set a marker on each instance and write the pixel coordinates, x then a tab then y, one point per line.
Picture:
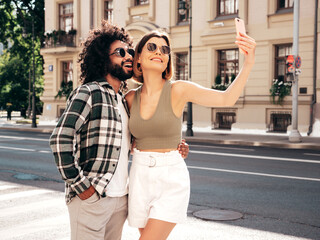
276	190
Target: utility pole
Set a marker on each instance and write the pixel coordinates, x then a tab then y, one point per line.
189	131
34	117
29	96
295	135
183	6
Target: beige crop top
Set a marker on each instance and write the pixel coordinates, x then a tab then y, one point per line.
162	130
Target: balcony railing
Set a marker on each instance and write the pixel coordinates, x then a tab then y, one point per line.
60	38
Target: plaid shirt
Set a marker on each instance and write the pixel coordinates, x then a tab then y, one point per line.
86	142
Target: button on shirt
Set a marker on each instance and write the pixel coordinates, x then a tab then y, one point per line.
118	185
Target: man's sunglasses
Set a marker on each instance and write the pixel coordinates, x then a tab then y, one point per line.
121	52
152	47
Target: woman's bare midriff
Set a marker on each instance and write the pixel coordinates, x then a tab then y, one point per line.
159	150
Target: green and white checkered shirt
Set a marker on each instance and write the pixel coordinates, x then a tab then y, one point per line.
86	142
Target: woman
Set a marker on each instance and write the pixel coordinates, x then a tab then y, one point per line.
159	180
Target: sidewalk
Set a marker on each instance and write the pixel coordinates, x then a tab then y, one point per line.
258	139
203	135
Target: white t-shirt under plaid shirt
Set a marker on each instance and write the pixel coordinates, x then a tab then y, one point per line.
118	185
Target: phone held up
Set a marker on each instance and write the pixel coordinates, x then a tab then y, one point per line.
240	28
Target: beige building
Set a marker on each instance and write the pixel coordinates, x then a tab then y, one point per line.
215	57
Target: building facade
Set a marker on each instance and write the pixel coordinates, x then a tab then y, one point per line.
215	59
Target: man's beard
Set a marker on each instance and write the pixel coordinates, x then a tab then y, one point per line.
117	71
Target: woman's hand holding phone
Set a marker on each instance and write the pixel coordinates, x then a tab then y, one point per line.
245	43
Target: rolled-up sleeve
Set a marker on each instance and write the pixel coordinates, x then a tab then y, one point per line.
63	139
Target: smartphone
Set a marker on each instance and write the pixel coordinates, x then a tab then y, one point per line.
240	27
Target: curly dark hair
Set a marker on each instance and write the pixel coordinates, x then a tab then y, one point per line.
94	57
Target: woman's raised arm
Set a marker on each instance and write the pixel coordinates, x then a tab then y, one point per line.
192	92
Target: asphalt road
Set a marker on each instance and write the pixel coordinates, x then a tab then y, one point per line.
276	190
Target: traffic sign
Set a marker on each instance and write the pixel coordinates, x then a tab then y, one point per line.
298	62
290	64
290	59
291	69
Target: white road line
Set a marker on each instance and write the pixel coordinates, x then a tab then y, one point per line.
256	174
34	206
23	194
229	148
24	149
41	225
256	157
5	187
24	138
45	151
312	154
19	149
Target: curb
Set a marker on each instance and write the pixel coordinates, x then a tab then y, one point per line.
273	144
253	143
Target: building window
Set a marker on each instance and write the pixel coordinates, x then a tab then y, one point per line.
279	121
228	7
225	119
182	18
182	66
108	10
66	16
281	53
284	4
67	71
228	65
141	2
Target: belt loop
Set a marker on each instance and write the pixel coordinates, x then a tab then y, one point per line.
153	161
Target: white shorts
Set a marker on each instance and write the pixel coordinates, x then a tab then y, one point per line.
159	188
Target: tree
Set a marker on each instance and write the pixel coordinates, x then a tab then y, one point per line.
16	18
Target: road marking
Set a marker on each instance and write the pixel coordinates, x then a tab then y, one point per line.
312	154
45	151
34	206
229	148
24	138
23	194
41	225
19	149
256	157
255	173
5	187
24	149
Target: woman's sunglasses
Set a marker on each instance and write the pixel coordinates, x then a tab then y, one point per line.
121	52
152	47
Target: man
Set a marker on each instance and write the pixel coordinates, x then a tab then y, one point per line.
91	141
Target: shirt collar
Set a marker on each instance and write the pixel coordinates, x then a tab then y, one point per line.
104	83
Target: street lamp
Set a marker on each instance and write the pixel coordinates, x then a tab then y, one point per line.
34	117
183	6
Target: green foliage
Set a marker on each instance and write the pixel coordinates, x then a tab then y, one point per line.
218	83
226	80
220	87
59	37
233	77
13	82
16	17
218	80
65	89
279	90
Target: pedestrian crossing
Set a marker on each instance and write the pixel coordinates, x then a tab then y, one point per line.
31	213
